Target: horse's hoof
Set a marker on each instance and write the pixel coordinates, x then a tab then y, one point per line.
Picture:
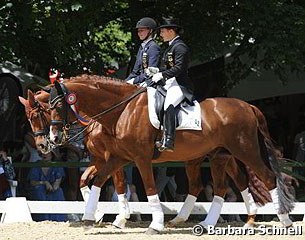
151	231
250	221
287	223
88	224
174	222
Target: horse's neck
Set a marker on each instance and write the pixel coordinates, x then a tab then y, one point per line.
97	97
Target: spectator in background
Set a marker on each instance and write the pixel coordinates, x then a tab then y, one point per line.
6	173
74	152
299	152
45	186
164	177
31	154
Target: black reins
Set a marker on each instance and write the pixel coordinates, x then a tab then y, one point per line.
53	102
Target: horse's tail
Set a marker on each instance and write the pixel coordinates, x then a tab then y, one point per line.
257	188
268	152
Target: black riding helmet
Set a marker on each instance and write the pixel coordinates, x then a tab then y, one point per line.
146	22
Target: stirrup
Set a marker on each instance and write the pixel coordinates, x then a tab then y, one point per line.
159	144
167	146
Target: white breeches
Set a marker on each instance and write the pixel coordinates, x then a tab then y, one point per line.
174	94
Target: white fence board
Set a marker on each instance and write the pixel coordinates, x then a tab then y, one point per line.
143	208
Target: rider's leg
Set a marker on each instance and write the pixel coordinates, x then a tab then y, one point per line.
173	97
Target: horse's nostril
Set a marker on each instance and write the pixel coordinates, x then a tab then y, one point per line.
41	146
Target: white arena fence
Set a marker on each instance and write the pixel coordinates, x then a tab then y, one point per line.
77	207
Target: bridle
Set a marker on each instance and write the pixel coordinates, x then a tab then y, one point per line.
65	121
41	111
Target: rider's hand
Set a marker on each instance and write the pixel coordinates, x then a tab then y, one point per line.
150	71
157	77
130	81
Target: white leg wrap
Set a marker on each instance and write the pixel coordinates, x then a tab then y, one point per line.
124	212
157	213
91	205
214	212
249	202
124	209
99	215
119	221
187	207
85	193
284	218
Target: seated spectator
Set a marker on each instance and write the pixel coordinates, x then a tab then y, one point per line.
74	152
299	152
6	173
31	152
45	186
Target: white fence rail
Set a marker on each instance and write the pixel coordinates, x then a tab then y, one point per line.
143	208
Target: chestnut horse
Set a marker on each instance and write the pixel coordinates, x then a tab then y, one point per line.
38	114
227	123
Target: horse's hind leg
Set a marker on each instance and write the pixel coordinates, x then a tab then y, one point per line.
193	171
124	210
241	181
251	156
218	166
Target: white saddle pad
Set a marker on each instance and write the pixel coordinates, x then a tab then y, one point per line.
189	117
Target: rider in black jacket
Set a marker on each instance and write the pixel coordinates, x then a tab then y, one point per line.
173	69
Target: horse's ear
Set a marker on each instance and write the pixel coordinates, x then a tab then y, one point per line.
58	88
24	102
31	98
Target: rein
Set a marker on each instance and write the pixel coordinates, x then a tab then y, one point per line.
66	127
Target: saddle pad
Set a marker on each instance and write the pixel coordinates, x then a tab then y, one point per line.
189	117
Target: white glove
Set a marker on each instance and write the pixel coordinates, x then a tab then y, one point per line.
150	71
130	81
157	77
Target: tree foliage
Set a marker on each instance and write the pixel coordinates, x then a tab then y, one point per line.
256	35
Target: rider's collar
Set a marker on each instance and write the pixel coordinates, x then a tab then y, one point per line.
171	41
143	44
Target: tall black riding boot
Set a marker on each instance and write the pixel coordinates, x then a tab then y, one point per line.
169	132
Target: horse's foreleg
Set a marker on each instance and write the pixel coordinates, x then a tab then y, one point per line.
220	188
146	171
105	171
89	173
124	210
193	171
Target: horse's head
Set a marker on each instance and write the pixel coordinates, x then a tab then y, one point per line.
61	113
38	114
